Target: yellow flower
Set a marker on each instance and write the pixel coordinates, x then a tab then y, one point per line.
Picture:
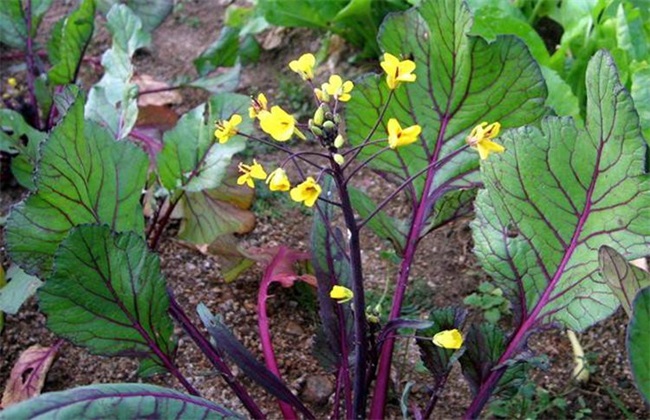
257	105
12	82
321	95
397	71
308	191
278	180
448	339
401	137
480	139
279	124
341	294
337	88
227	128
250	172
304	66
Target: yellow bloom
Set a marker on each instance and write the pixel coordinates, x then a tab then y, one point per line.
480	139
250	172
308	191
227	128
448	339
279	124
12	82
397	71
257	105
401	137
337	88
341	294
304	66
278	180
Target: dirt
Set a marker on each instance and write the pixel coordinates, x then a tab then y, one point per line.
445	270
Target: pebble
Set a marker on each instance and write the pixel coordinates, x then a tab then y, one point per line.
293	328
318	389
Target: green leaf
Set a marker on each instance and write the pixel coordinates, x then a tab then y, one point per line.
641	94
116	401
461	81
150	12
76	31
20	287
16	136
112	102
13	26
305	13
623	278
191	145
438	360
630	34
222	53
638	342
557	195
381	224
106	293
84	176
209	214
224	82
560	96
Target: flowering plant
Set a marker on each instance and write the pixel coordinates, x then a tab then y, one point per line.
454	124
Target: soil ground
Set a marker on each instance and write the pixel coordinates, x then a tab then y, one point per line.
446	271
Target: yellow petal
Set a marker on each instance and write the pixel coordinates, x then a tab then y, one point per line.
448	339
341	294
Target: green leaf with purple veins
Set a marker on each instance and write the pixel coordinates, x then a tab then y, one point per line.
623	278
83	176
117	401
557	195
107	293
462	80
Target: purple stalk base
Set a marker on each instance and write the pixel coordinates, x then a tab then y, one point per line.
265	332
181	317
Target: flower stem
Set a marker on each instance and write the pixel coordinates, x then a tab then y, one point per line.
31	66
360	326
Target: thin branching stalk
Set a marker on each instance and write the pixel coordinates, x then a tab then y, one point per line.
31	65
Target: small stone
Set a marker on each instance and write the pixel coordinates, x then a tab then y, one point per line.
292	328
318	389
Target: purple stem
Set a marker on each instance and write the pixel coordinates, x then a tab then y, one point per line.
31	66
360	327
215	358
418	225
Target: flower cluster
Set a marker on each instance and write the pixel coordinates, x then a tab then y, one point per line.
325	126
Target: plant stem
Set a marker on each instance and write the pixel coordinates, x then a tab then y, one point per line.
31	66
215	358
417	226
360	327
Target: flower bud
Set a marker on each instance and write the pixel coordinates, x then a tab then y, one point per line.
315	130
329	125
339	141
319	116
338	158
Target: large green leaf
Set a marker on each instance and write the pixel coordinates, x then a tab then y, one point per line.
84	176
638	342
151	12
641	94
305	13
557	195
16	136
74	36
623	278
116	401
191	145
112	102
13	25
107	293
461	81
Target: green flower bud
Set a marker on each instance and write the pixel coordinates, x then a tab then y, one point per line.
338	158
339	141
319	116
